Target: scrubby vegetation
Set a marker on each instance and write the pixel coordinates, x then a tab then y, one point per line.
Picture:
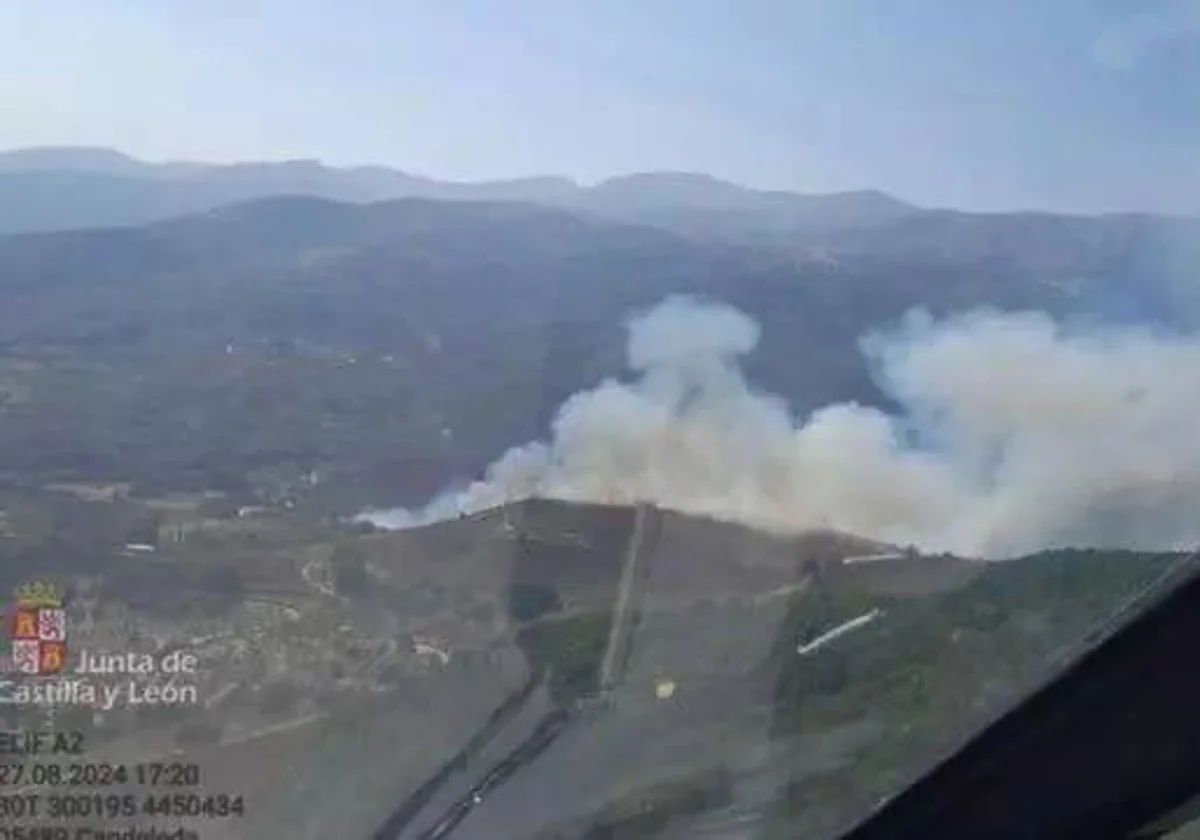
571	650
934	669
530	601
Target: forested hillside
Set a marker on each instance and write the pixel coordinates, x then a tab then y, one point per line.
395	346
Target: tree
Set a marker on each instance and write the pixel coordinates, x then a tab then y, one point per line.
144	528
528	601
350	575
224	580
218	507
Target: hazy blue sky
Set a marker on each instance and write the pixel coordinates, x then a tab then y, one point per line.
1091	104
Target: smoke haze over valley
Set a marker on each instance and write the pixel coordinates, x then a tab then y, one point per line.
976	383
1016	433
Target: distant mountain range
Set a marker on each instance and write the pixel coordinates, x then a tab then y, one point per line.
61	188
213	343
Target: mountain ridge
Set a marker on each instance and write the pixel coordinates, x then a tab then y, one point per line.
65	188
56	188
277	295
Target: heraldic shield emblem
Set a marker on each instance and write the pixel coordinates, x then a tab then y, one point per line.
38	628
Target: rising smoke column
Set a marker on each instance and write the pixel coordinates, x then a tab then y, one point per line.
1016	434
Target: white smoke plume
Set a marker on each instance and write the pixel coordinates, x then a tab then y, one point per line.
1016	434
